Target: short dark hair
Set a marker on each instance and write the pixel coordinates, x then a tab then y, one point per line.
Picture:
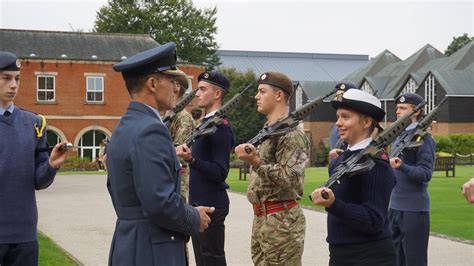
136	84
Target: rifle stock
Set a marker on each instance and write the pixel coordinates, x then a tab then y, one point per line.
179	107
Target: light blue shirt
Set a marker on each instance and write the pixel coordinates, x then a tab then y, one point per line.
156	112
9	109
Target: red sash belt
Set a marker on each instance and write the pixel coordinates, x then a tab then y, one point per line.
273	206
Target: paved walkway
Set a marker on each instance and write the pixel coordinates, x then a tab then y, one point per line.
76	213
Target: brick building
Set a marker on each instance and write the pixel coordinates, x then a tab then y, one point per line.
68	78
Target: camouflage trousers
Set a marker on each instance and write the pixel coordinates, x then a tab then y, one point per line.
185	183
278	238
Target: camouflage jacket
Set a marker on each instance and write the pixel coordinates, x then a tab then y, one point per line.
181	127
281	174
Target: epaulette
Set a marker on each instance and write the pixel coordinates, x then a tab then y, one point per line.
40	124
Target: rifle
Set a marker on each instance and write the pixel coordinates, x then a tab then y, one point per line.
179	107
287	124
414	139
64	147
351	165
210	126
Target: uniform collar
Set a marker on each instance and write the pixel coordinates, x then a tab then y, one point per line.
360	145
211	114
154	110
9	109
412	126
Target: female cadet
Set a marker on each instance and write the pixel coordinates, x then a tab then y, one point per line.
358	227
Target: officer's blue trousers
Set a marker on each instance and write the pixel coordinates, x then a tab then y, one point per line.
19	254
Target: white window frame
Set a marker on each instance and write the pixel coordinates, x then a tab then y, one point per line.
430	93
190	85
367	88
45	90
410	86
299	97
94	90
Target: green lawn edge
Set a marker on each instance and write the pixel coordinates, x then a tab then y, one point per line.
51	254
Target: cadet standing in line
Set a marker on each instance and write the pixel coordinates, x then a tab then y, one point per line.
209	167
357	221
180	129
143	172
277	180
22	169
409	211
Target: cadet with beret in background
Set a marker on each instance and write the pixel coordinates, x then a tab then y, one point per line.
180	129
357	220
409	211
277	179
153	222
22	169
209	167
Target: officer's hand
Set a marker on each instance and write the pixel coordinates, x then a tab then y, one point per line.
334	153
317	197
395	162
468	190
183	152
247	153
58	155
204	213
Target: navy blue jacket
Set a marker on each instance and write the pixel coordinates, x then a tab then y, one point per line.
207	186
22	170
144	183
359	212
411	191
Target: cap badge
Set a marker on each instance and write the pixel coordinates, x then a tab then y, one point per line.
18	64
263	77
206	75
402	99
342	87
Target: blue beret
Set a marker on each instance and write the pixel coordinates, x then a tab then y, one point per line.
411	98
215	78
344	86
361	102
161	59
9	61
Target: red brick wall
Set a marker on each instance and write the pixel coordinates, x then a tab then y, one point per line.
70	94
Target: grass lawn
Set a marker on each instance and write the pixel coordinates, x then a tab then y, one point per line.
50	254
450	213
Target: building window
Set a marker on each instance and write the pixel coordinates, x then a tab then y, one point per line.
299	97
52	138
45	88
367	88
430	93
89	144
95	89
410	87
190	85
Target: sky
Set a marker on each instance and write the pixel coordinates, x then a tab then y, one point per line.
340	27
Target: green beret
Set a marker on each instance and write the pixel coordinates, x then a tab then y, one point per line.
278	80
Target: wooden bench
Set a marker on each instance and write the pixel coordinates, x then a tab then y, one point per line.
244	169
445	163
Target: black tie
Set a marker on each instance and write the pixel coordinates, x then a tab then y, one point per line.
7	113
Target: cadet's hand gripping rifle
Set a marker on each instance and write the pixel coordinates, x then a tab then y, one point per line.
284	126
413	140
351	165
171	114
209	127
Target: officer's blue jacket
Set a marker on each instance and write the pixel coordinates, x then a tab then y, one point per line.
144	184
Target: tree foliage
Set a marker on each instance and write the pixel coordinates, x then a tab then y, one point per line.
458	43
192	29
245	120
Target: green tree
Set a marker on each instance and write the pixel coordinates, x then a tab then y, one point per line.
192	29
245	120
458	43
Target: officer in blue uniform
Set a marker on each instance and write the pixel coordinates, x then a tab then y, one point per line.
409	211
153	222
22	169
209	167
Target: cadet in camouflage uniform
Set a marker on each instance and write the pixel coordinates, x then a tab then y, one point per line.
180	129
277	180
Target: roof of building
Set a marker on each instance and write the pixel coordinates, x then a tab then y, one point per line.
298	66
73	45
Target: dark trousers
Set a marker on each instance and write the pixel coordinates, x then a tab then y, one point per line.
209	246
411	232
20	254
379	252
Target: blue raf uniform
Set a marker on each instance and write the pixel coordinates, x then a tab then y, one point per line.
209	168
22	171
410	202
153	222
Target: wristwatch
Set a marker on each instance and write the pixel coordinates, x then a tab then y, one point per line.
190	161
